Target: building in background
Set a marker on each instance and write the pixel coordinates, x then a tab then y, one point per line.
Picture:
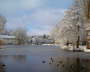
6	39
40	40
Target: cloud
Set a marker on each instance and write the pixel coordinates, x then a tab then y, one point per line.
47	18
14	23
11	6
39	16
39	22
37	32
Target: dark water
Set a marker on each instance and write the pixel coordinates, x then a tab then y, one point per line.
23	63
42	59
72	64
27	58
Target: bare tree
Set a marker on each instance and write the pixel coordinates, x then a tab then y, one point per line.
21	35
2	26
2	23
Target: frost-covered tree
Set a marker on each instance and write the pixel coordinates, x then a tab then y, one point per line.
70	27
55	33
85	12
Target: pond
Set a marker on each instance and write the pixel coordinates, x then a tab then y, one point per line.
34	58
72	64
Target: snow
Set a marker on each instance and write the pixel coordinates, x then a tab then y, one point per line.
7	36
83	48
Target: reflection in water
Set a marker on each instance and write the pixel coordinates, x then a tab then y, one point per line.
5	60
69	64
20	58
24	63
3	57
2	67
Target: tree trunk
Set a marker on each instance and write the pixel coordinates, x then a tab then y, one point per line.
77	45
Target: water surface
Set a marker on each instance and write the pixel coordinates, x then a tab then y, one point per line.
42	59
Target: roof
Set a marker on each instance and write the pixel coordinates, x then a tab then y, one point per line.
7	36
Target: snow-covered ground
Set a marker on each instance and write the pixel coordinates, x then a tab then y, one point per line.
83	48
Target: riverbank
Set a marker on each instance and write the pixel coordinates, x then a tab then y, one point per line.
81	48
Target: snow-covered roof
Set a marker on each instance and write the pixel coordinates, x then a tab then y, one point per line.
7	36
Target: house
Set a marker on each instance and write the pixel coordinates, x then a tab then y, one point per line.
41	40
6	39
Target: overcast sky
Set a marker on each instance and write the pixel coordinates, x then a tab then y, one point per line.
38	16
